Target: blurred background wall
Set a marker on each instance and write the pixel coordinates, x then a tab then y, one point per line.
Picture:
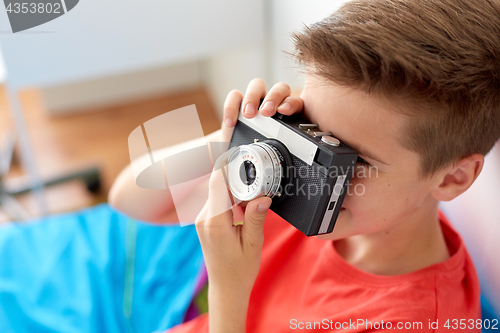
115	51
3	72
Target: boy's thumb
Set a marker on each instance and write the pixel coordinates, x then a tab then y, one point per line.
255	215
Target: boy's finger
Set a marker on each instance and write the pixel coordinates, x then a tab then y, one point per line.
275	97
231	110
255	92
219	201
255	215
291	105
238	215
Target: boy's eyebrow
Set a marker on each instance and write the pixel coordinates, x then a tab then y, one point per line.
366	153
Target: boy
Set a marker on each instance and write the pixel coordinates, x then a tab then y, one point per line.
413	87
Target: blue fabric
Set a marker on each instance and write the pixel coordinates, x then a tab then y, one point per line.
98	271
95	271
490	320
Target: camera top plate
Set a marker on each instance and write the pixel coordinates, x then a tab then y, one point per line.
307	147
326	152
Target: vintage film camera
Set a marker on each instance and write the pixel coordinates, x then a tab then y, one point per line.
306	172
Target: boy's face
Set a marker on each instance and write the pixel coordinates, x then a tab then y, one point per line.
389	191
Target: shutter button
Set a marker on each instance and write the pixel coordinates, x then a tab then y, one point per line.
330	140
320	134
307	126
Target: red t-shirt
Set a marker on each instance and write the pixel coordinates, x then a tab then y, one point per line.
304	283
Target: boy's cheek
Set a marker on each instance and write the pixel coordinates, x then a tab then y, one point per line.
369	194
362	186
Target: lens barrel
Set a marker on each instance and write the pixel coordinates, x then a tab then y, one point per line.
260	169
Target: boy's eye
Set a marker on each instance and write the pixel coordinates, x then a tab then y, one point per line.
362	162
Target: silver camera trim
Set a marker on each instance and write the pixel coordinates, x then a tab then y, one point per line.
267	167
327	218
270	128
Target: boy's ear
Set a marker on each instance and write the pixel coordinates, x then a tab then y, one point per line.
456	179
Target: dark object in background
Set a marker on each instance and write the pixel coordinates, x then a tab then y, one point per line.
90	176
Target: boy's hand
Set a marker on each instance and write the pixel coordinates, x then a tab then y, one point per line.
232	254
278	99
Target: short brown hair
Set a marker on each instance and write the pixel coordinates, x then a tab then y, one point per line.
440	58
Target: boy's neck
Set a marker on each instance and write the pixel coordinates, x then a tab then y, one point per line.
402	248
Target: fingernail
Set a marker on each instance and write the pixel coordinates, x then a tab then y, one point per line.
263	207
250	109
285	107
229	122
268	106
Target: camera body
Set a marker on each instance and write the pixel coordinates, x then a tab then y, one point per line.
316	169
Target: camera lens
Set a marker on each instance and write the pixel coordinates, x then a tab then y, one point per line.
259	169
247	172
